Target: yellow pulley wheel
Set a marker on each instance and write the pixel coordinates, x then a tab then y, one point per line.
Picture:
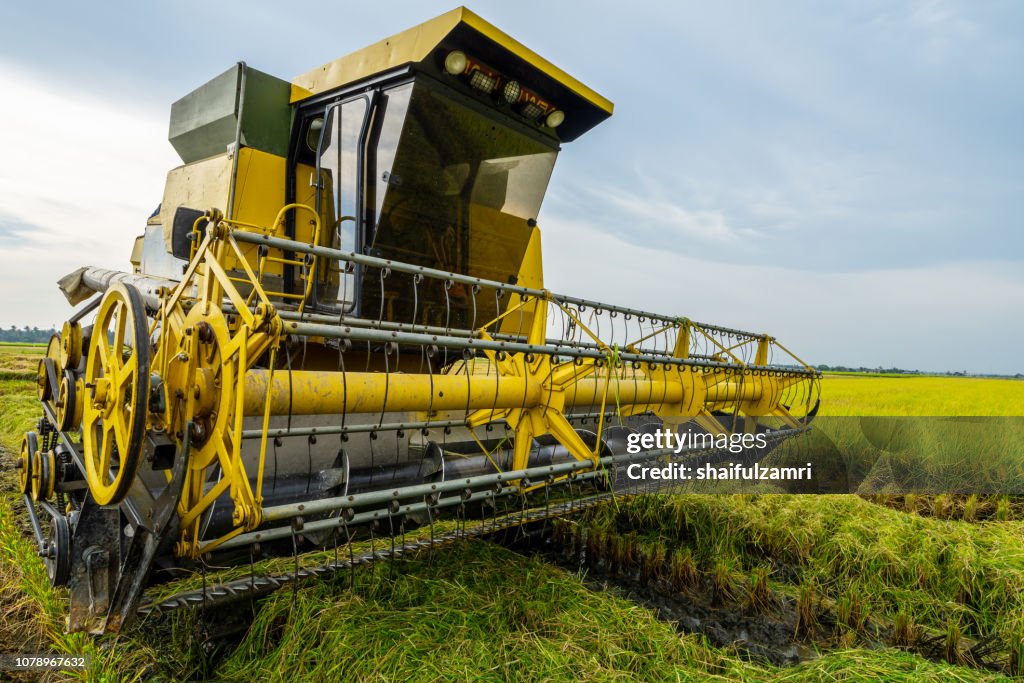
70	345
116	381
44	466
29	446
44	388
70	398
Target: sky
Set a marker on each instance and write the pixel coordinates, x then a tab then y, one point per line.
846	176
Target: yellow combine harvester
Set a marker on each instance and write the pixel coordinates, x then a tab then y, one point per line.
337	318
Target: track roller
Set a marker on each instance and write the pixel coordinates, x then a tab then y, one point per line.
57	553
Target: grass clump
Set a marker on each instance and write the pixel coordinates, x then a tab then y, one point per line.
864	559
760	596
480	612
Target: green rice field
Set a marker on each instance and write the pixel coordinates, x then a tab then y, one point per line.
648	588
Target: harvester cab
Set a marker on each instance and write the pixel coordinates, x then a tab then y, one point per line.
336	324
433	147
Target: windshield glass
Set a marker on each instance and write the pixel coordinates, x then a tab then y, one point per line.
454	189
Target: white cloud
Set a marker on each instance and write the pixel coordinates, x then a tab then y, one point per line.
943	26
933	30
946	317
79	177
675	220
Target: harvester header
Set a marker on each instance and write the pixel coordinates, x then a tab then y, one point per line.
336	324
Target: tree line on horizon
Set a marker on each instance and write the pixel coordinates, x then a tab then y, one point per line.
26	334
901	371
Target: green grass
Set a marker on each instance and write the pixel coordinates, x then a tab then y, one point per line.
473	612
19	410
477	611
484	613
913	395
907	454
942	573
19	407
927	454
22	347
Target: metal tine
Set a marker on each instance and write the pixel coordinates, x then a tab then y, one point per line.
373	553
295	555
288	361
334	541
387	382
428	354
310	441
383	273
274	444
351	555
474	291
522	515
373	459
391	534
447	316
505	501
430	519
344	288
342	347
461	518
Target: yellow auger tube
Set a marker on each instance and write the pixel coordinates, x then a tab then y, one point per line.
317	393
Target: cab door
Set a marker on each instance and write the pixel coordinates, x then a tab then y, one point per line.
337	182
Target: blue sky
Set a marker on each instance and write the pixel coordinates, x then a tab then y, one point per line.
847	176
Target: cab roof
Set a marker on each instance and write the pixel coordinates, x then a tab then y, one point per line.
461	29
